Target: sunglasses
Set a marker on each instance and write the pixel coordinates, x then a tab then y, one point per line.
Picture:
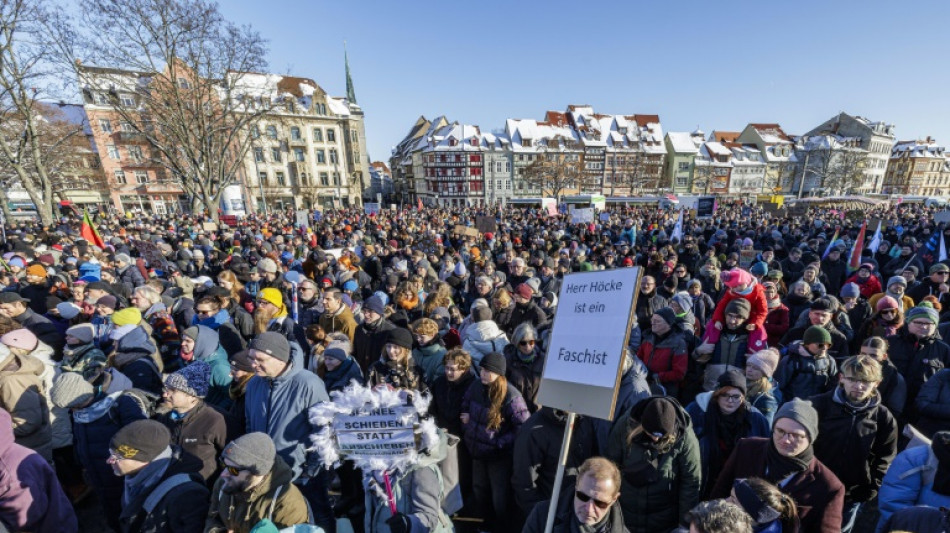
233	470
526	343
584	498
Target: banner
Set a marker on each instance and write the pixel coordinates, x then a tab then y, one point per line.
466	231
582	216
747	257
486	224
371	208
705	207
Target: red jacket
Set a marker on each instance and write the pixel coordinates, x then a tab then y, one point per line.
777	323
869	288
667	358
757	301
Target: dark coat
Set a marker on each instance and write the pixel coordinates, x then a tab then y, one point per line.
201	434
526	377
486	443
133	357
933	404
565	520
839	342
817	491
182	510
343	375
530	313
917	360
368	342
408	376
858	446
646	307
446	403
798	376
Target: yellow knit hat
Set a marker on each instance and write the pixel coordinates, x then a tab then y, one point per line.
275	298
127	316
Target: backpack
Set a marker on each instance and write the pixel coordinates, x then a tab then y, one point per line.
823	367
147	402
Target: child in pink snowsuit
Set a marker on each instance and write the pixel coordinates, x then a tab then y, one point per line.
741	284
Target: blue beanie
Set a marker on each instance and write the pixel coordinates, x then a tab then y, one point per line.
193	379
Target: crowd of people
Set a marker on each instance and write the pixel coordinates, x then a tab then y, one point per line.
778	378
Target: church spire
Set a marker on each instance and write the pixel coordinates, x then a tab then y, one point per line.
350	91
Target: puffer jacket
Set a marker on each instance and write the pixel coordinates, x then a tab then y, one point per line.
845	434
239	512
484	443
917	360
525	376
656	489
483	338
429	359
278	406
798	376
933	404
666	357
135	356
446	403
417	493
909	482
23	395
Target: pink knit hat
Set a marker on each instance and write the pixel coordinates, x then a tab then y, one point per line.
735	277
887	302
765	360
20	338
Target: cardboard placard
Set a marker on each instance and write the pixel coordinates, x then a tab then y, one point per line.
209	226
466	231
771	208
302	218
591	328
582	216
486	224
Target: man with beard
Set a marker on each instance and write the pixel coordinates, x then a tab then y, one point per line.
254	485
271	315
852	424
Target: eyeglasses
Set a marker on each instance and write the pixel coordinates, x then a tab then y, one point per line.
780	434
584	498
731	397
526	342
233	470
922	324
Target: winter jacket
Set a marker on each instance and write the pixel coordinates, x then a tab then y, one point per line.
343	375
278	406
529	312
922	519
933	404
23	396
858	316
665	357
84	359
135	356
417	493
633	388
710	445
401	376
368	342
525	376
208	349
893	389
835	272
183	509
342	321
758	303
776	323
798	376
817	491
131	278
484	443
909	482
565	519
656	489
446	403
928	288
917	360
483	338
767	403
647	306
429	359
93	428
537	451
839	342
201	435
275	498
858	445
869	287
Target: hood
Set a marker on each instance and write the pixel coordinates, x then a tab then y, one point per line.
485	330
206	343
436	454
25	365
6	430
702	400
682	419
137	340
43	352
280	475
296	364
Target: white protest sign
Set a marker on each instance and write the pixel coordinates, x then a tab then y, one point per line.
943	216
579	216
381	432
371	208
303	218
605	217
585	353
335	252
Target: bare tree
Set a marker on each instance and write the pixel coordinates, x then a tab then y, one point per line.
847	171
177	75
631	171
555	171
32	137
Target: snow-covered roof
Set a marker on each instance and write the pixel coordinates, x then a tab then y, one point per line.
682	142
717	149
914	149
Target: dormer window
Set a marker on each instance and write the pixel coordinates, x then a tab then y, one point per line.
474	141
453	142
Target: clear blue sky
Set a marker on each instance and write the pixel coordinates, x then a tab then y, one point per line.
716	65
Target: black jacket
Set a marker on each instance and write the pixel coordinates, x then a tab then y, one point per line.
529	312
201	434
646	307
857	445
917	360
526	377
368	342
447	402
182	510
565	520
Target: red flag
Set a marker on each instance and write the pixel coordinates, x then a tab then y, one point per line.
419	204
855	261
89	232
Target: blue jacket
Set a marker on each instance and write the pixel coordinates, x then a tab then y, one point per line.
93	428
279	407
767	403
908	483
633	388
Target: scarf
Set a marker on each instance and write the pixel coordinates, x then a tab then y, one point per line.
773	303
122	331
854	408
95	411
214	321
778	467
898	297
724	431
146	478
599	527
157	307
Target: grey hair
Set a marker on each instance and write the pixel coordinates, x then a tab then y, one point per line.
148	293
524	329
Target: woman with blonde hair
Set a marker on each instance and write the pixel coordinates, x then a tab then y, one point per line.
228	280
502	306
395	368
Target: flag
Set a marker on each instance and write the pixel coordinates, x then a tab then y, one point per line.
876	239
943	248
832	242
678	229
89	231
855	260
418	204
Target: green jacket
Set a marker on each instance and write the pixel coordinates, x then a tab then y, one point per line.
655	499
241	511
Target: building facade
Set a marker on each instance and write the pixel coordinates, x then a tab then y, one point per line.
875	138
917	168
778	151
681	151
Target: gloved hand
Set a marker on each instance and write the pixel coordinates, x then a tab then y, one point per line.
399	523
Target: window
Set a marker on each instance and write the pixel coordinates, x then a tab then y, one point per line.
141	177
183	84
333	155
331	135
126	127
272	132
262	177
684	167
258	154
120	177
275	155
102	99
507	166
280	179
317	135
336	178
324	179
127	100
298	154
321	109
321	156
303	179
508	184
105	125
113	151
135	153
356	157
255	132
353	136
295	133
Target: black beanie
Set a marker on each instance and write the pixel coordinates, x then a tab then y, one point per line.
494	362
732	378
400	337
659	417
667	315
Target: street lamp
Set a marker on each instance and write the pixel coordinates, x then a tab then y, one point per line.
805	171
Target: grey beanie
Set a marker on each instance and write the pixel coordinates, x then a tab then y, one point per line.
896	279
684	300
71	390
850	290
273	344
254	452
375	304
82	332
801	411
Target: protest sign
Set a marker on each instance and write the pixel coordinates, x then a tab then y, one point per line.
486	224
209	226
747	257
705	207
383	431
582	216
335	252
549	205
943	216
371	208
585	354
466	231
605	217
303	220
151	253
